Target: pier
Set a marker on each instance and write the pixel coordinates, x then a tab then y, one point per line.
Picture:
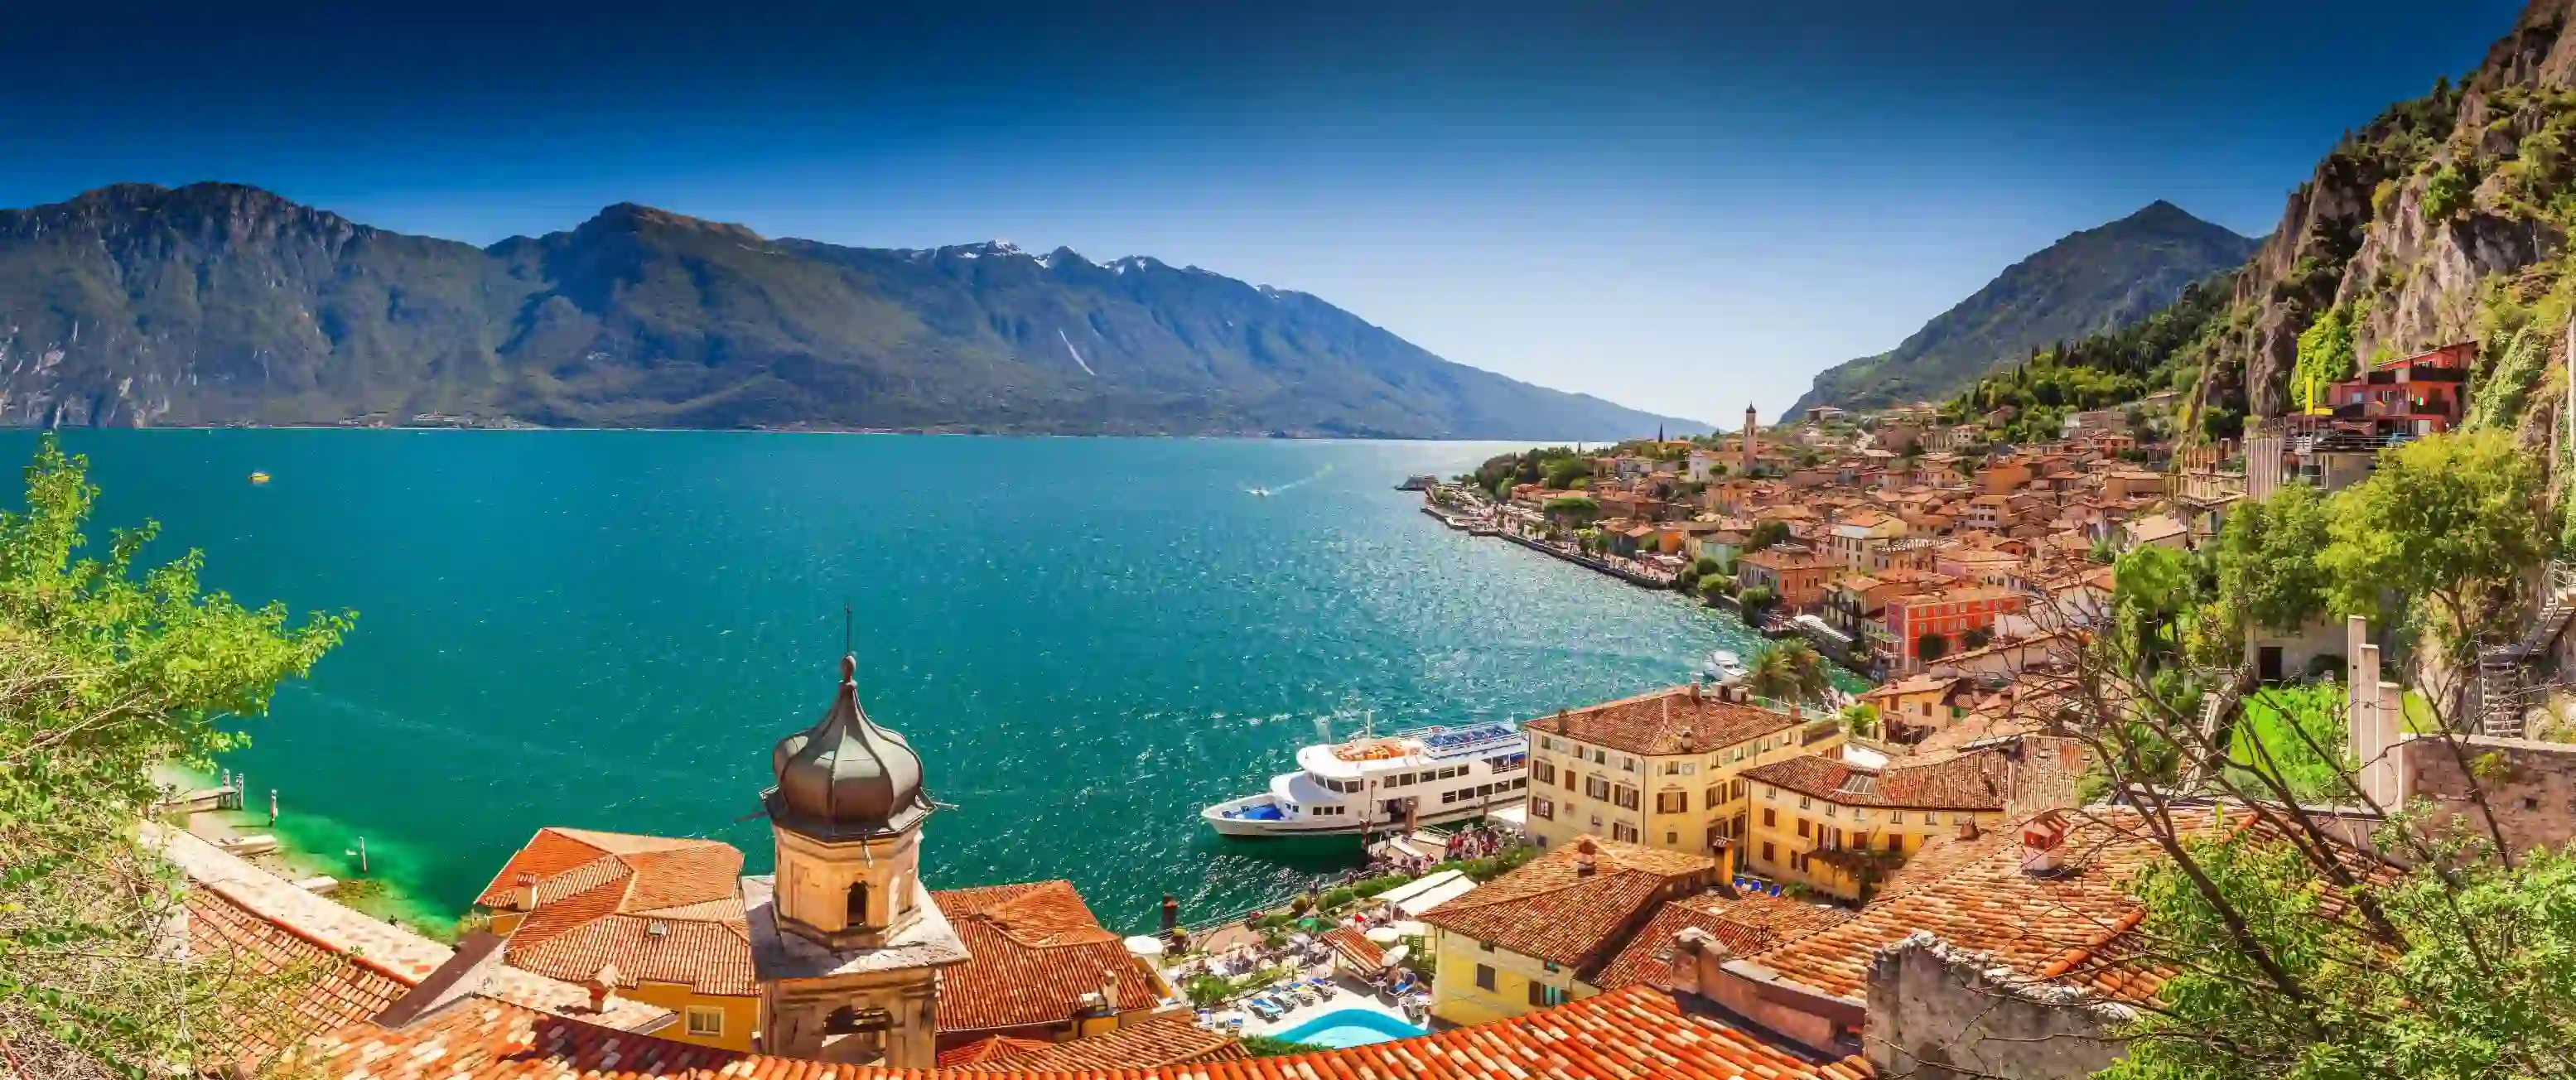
1578	558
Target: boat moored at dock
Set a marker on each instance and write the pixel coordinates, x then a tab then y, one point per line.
1427	776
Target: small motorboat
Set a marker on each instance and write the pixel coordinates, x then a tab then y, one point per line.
258	478
1722	666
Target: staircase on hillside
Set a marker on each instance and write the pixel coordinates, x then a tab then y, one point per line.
2503	691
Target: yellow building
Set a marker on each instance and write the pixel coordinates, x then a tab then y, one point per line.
1541	935
657	919
1840	828
1660	769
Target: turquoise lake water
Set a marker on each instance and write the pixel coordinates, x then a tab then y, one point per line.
1087	639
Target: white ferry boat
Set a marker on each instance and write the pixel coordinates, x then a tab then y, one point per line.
1427	777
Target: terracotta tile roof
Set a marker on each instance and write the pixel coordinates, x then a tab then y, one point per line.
325	989
1552	909
1357	946
1747	925
1965	781
1677	720
1975	895
1037	950
1147	1043
1631	1034
658	909
987	1049
400	953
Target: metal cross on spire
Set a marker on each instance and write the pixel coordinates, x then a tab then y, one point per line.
845	628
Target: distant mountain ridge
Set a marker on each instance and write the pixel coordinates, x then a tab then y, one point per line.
2102	278
220	303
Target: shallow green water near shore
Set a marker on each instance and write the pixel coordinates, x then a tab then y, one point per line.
1087	639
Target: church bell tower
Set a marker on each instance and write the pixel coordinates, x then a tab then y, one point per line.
847	942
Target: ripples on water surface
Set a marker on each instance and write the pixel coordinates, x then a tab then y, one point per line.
1087	639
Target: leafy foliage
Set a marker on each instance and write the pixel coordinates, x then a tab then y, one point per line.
108	668
2450	520
2451	1005
2325	356
2100	370
2267	559
1789	670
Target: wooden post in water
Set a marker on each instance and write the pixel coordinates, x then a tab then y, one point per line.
362	855
272	808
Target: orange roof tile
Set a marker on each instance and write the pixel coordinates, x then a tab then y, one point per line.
987	1049
1677	720
1146	1043
658	909
1975	895
1554	909
235	947
1630	1034
1036	951
1966	781
1747	925
1357	946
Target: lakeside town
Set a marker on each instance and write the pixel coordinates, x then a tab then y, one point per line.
1740	875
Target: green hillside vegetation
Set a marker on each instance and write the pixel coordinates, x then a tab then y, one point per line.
2090	282
2161	352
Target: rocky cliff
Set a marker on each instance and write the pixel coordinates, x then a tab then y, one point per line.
217	303
2443	220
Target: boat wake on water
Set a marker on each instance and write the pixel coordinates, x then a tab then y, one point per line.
1266	492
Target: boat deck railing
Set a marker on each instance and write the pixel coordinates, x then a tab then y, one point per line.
1464	741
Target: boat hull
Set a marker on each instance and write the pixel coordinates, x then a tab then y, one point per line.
1256	828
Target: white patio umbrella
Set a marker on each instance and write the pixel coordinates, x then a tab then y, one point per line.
1385	935
1397	954
1410	928
1146	945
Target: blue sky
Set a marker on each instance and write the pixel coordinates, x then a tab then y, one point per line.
1680	207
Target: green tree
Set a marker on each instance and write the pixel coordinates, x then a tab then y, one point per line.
2268	559
1766	534
108	669
1790	671
1931	647
1714	586
1576	510
1563	472
1755	601
2461	974
2325	355
2452	521
1861	718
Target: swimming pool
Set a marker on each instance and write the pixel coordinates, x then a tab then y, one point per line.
1350	1027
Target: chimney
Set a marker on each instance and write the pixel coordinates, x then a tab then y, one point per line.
1696	962
523	894
1694	692
1171	915
1587	857
2043	839
603	984
462	975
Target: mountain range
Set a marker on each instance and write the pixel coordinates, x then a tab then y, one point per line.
219	303
2099	279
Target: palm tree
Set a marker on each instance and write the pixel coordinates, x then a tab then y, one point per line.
1790	671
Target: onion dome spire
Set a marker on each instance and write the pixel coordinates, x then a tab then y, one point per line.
845	777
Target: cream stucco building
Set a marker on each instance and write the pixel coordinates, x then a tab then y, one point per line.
1662	769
